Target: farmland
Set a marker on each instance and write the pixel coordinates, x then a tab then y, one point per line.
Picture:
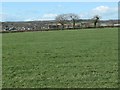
84	58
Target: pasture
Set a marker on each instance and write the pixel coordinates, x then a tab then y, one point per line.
84	58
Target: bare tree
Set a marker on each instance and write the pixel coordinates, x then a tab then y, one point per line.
73	17
96	19
61	19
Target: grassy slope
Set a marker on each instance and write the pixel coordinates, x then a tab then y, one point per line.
80	58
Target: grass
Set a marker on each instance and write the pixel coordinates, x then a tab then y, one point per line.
61	59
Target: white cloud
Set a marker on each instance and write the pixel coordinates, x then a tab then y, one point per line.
30	19
44	17
1	16
101	9
104	12
4	16
49	15
10	17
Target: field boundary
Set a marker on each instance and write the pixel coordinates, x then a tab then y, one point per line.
16	31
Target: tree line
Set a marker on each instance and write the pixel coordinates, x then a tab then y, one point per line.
64	18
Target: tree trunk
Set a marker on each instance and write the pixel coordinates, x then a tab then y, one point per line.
95	23
62	26
73	24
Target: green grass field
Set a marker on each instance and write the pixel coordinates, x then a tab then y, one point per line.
61	59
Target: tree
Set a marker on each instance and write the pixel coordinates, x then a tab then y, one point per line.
96	19
61	19
73	17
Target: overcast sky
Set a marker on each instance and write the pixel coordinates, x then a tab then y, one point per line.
28	11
